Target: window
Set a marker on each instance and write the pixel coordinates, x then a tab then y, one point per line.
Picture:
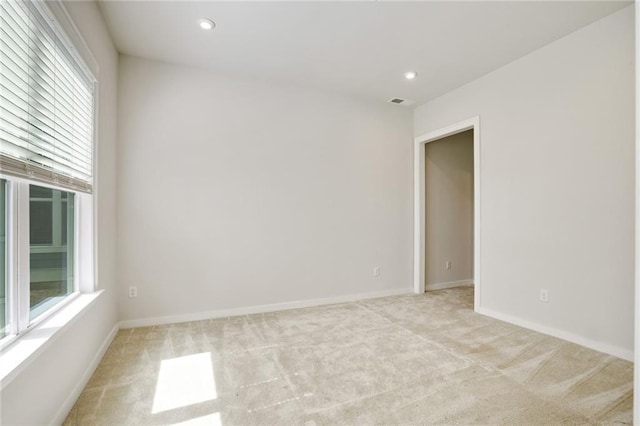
46	167
51	254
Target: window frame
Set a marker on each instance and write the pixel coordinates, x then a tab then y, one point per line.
85	277
18	253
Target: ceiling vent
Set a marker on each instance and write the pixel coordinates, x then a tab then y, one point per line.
399	101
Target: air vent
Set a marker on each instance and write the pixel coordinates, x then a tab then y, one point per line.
396	101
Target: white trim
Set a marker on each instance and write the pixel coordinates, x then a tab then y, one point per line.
95	211
419	241
84	242
22	245
449	284
472	123
259	309
606	348
12	264
22	352
67	405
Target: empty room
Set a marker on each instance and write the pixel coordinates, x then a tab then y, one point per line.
318	213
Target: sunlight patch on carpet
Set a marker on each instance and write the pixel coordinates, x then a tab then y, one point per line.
184	381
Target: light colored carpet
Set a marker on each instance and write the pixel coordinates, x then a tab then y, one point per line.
415	359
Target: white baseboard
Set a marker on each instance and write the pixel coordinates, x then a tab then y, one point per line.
449	284
259	309
606	348
67	405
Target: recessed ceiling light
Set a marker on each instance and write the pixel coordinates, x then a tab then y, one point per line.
410	75
207	24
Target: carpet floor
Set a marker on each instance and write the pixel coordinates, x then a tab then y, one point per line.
414	359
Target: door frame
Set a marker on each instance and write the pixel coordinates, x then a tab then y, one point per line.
419	200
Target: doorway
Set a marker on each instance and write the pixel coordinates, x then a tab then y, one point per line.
452	253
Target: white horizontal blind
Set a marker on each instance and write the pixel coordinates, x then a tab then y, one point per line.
46	99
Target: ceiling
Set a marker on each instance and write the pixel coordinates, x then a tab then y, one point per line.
356	48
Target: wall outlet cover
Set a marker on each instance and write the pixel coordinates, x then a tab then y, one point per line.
544	295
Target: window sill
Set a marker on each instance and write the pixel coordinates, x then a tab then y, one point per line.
19	354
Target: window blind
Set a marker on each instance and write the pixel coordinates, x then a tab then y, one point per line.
46	99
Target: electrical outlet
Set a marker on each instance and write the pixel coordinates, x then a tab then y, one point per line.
447	264
376	271
133	291
544	295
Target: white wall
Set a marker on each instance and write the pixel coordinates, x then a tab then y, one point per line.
43	391
449	209
557	183
234	193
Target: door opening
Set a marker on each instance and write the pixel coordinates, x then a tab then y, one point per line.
447	202
449	211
